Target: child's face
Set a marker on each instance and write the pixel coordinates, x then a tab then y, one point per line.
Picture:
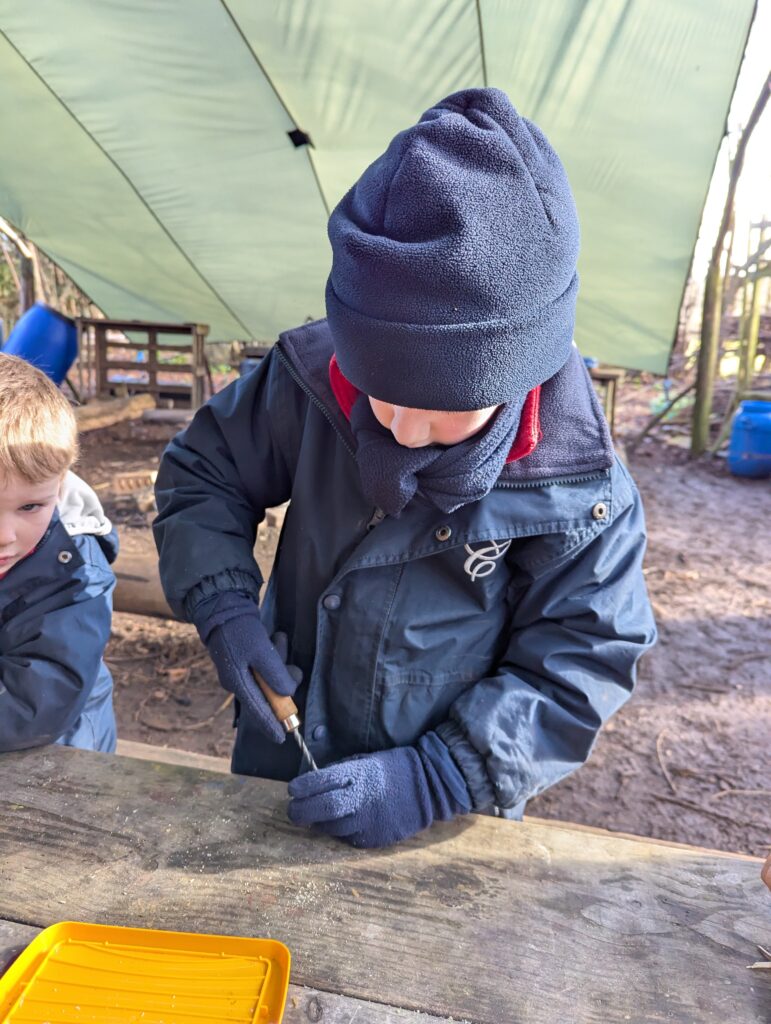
416	428
25	512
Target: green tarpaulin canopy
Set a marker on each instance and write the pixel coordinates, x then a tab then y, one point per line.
145	144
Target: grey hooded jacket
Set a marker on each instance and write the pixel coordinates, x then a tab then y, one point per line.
55	615
511	626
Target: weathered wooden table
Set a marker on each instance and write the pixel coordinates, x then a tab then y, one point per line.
480	920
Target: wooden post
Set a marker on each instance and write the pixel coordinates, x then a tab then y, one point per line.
710	320
100	361
152	360
748	345
708	356
80	334
27	283
197	396
746	293
753	330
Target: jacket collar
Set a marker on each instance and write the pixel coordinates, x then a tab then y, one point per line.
575	437
528	434
56	558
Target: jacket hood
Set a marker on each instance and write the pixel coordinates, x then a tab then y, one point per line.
81	512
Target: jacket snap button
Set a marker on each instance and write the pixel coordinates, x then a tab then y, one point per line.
332	602
319	732
64	557
600	511
443	533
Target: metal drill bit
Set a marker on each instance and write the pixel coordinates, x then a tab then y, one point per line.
307	755
285	710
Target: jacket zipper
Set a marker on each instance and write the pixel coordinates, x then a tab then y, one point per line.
551	481
319	405
513	485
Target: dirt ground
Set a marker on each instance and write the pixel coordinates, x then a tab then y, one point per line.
688	759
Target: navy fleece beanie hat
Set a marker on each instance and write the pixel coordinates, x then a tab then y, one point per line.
453	282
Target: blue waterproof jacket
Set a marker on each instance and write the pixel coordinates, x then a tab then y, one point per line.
55	615
511	626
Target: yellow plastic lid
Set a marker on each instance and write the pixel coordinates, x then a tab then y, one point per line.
74	973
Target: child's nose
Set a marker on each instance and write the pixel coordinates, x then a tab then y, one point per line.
410	428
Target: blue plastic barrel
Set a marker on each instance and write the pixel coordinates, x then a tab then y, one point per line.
749	452
46	339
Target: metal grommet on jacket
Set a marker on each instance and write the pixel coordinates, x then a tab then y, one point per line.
65	557
443	533
600	510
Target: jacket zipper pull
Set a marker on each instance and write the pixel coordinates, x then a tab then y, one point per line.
377	517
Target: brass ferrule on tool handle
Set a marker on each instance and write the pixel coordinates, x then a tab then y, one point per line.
285	710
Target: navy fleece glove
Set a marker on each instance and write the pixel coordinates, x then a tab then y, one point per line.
379	799
230	626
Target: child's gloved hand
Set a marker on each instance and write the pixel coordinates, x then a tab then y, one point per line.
377	799
230	626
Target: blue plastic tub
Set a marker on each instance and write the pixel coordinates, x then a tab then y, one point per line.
749	452
45	338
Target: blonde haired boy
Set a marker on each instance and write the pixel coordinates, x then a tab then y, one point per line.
56	546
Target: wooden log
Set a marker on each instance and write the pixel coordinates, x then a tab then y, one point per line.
480	919
138	588
173	416
104	412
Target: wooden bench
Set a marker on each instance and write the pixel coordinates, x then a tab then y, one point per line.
480	920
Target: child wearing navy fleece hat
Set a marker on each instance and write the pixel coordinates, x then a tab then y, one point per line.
457	603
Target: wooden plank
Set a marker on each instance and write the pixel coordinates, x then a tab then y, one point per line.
306	1004
480	918
13	939
302	1005
163	388
141	346
172	755
191	759
577	827
138	325
150	366
108	411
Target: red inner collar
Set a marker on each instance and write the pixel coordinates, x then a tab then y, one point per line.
528	434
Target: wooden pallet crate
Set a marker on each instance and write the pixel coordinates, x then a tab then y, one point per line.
142	354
